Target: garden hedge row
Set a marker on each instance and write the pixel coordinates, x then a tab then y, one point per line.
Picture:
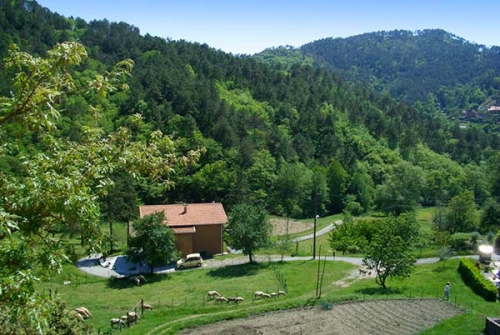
476	280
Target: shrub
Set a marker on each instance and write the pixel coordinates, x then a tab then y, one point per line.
460	242
476	280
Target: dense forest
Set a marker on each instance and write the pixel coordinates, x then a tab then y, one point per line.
282	136
431	66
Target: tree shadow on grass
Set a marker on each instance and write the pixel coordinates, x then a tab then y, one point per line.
120	283
237	270
379	291
440	269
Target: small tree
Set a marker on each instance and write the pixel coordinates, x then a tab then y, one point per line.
248	229
152	242
284	243
462	214
444	254
389	252
490	217
344	236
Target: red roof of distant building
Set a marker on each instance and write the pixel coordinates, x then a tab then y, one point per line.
179	215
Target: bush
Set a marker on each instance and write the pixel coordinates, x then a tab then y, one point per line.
461	242
476	280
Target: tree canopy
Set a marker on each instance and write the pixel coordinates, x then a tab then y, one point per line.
152	242
389	253
248	229
60	180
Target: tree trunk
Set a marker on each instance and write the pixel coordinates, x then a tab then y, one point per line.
111	237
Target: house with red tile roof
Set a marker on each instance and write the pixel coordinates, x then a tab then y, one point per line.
197	227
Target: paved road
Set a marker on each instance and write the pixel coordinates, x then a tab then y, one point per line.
119	267
318	233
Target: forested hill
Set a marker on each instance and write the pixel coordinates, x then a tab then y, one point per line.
409	65
279	138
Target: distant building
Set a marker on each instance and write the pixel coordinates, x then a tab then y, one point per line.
494	109
197	227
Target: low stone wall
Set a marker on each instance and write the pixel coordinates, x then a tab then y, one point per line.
492	326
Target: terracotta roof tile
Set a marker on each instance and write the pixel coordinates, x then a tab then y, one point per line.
190	215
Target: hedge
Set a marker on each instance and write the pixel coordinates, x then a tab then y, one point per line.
473	278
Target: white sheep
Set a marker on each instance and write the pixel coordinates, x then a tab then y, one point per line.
218	300
281	293
258	294
274	295
265	295
145	306
236	300
76	315
116	321
138	279
132	317
212	294
84	312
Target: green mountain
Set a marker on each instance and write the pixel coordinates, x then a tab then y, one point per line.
410	66
278	137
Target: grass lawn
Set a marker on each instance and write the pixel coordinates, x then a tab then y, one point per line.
180	298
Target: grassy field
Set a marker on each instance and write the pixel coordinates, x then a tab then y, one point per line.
179	299
181	295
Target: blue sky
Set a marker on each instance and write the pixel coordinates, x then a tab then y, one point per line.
247	27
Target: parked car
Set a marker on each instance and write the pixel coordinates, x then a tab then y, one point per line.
191	261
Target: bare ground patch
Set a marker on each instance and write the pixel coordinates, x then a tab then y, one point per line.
388	317
280	226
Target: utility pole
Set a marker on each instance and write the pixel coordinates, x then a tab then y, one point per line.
315	219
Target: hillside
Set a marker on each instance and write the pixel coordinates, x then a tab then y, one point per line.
267	132
411	66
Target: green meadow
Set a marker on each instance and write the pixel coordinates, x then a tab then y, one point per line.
179	298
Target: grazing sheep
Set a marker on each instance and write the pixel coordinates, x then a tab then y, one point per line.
76	315
133	315
84	312
258	294
274	295
236	300
124	318
212	294
218	300
281	293
116	321
138	280
265	295
145	306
